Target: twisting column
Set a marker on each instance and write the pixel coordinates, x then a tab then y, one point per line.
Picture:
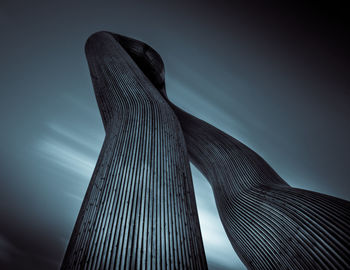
139	211
270	224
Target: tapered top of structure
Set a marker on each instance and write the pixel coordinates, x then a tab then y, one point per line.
146	58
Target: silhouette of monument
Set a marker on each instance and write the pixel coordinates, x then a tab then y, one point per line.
139	211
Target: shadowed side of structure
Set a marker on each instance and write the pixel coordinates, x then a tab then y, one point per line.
270	224
139	211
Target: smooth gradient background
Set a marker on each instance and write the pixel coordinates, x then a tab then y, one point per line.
275	77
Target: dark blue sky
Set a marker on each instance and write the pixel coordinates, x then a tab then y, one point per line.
276	78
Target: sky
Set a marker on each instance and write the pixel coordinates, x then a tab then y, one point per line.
275	77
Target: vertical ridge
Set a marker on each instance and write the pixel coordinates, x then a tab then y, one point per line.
127	219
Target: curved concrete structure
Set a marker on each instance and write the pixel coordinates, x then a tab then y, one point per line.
270	224
139	211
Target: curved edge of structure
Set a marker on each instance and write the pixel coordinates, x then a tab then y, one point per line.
270	224
139	211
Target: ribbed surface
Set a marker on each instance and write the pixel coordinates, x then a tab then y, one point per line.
270	224
139	211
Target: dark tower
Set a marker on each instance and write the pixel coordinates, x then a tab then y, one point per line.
139	211
270	224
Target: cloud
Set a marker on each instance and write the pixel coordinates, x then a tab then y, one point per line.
66	157
75	138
